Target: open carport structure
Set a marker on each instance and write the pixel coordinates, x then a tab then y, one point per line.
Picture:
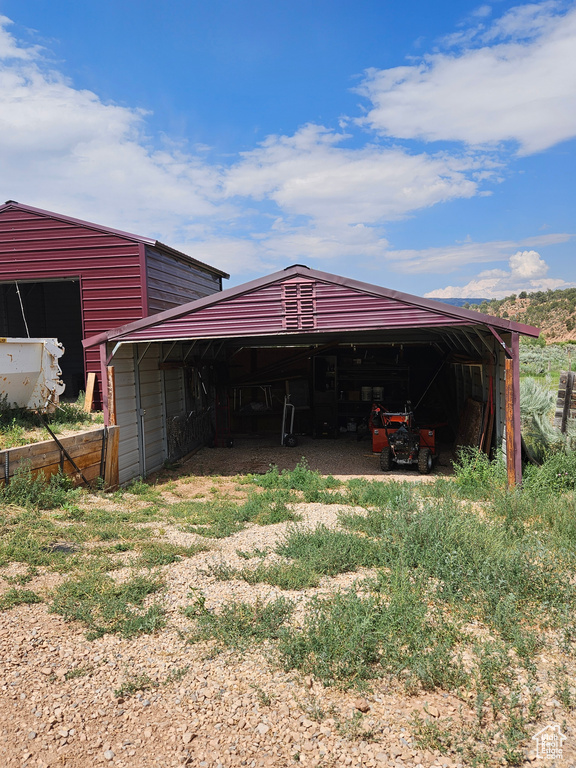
222	365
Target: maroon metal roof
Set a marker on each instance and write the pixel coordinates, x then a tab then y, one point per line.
13	205
110	265
298	300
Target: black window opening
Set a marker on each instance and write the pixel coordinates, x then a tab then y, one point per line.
52	309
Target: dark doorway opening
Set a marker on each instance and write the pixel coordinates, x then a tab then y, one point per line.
52	310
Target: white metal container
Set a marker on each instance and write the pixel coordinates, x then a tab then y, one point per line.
30	374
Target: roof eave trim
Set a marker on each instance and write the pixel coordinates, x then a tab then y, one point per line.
299	271
81	222
185	257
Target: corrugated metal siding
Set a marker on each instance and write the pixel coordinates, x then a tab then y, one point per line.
35	247
172	282
174	393
262	312
128	453
344	308
151	403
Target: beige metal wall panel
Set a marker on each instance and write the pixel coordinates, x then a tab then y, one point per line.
152	406
174	392
126	416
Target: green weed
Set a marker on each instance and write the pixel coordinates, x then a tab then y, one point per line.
348	638
432	735
374	493
247	555
242	624
134	684
353	728
269	507
176	675
282	575
483	567
162	553
13	597
477	476
76	672
104	606
35	491
301	478
22	578
327	551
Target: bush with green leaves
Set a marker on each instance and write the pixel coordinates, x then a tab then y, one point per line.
478	476
35	491
556	475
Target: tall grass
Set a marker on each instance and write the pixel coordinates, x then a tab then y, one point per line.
35	491
349	638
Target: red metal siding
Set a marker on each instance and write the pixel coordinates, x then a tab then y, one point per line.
339	308
263	312
37	247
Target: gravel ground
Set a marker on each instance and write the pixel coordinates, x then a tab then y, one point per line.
207	708
344	458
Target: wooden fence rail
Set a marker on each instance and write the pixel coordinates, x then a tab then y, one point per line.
94	452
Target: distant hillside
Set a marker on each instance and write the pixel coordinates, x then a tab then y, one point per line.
460	302
554	312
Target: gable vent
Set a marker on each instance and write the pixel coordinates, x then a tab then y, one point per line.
299	304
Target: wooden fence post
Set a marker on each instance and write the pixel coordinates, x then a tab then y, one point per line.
111	384
89	398
111	476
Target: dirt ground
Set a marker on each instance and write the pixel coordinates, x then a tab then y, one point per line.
343	458
203	707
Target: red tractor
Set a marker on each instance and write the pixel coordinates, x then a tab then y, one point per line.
398	440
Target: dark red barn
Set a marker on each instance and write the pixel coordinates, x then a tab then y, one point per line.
65	278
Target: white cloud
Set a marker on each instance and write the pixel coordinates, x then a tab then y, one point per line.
307	197
11	48
64	149
308	174
453	257
522	90
292	197
527	272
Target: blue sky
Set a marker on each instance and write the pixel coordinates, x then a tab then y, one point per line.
428	147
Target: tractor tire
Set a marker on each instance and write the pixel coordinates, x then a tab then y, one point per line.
386	459
425	461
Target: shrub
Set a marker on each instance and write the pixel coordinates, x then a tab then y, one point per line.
476	475
34	491
240	624
348	638
328	551
556	475
105	606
